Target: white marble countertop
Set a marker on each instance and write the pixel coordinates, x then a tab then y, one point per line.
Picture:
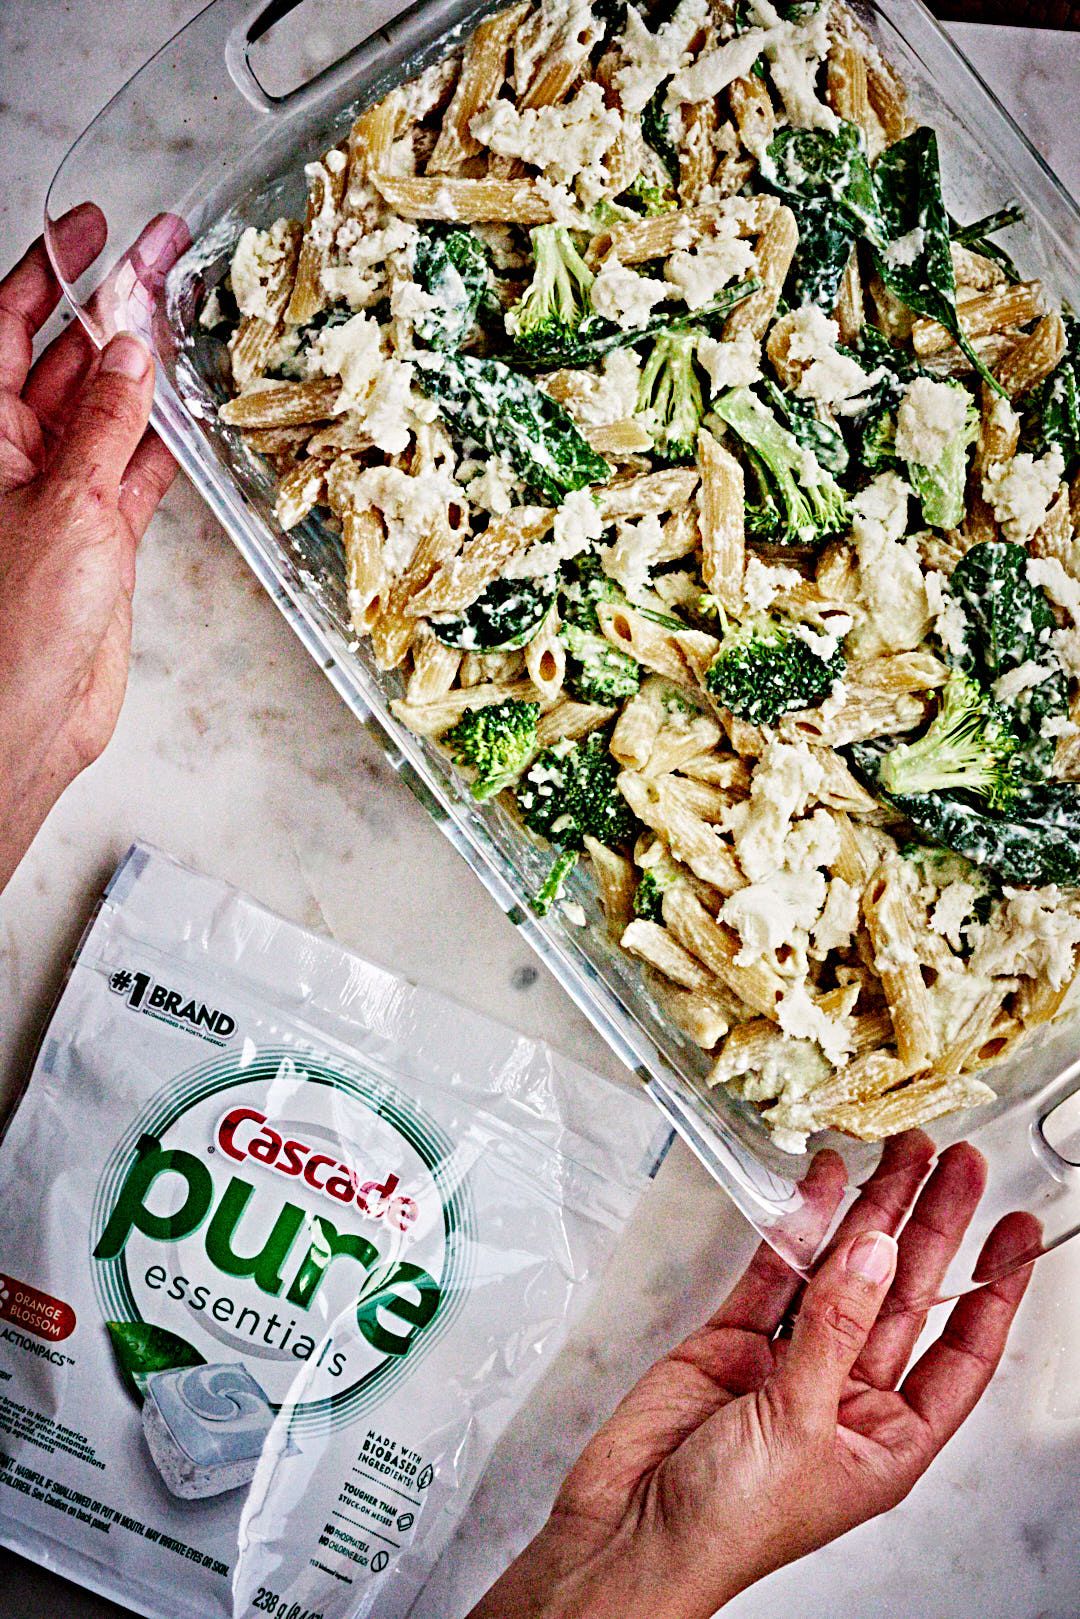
234	754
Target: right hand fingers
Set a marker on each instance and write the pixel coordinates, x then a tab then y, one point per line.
107	422
839	1308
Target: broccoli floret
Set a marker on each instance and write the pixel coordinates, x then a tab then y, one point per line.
669	396
597	672
765	668
569	792
970	746
551	889
940	487
649	198
809	501
556	301
496	742
584	586
655	880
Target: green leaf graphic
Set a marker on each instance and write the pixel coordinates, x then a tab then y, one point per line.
141	1349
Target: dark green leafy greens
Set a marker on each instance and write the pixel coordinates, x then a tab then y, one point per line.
505	616
656	132
825	180
765	668
569	793
486	401
912	253
495	742
977	237
823	439
452	266
1051	412
564	346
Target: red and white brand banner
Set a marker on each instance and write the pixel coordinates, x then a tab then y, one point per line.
34	1310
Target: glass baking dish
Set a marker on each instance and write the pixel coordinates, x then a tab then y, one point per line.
192	150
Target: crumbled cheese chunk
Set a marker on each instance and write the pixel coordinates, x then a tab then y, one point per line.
892	590
564	142
620	295
1062	589
838	922
351	351
780	910
256	261
1036	933
628	561
707	268
784	778
1008	687
762	584
826	644
649	57
577	524
931	414
411	508
802	1019
490	484
826	375
955	911
595	399
880	512
347	283
730	363
1021	492
904	250
814	841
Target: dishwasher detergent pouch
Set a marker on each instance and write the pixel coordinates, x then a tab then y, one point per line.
285	1242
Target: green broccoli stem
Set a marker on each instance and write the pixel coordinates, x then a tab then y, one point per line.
669	395
558	294
550	891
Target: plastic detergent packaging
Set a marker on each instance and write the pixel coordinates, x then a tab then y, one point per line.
285	1242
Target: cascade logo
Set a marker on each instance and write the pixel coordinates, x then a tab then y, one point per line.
172	1006
263	1211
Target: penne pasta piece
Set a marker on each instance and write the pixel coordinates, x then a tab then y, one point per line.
850	312
709	804
752	110
616	878
655	945
449	197
999	433
680	739
483	73
285	405
545	659
839	789
983	313
457	585
722	504
857	719
887	909
434	718
899	672
837	572
326	191
697	151
620	439
681	536
564	63
725	770
847	91
1033	359
370	141
658	236
691	840
433	672
887	96
638	726
775	251
912	1105
974	272
1054	536
250	344
299	492
849	864
666	491
362	536
569	721
273	440
759	987
700	1013
663	651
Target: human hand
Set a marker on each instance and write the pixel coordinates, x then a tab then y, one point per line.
79	480
742	1451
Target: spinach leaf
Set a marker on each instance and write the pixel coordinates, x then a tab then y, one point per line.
823	439
656	132
506	615
977	237
1008	622
912	253
1051	413
452	266
509	415
825	180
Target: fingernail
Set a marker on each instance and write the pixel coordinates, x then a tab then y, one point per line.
126	357
871	1257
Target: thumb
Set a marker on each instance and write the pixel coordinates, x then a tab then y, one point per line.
108	419
839	1307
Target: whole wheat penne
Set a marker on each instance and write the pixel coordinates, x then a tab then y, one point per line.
274	440
707	803
837	572
775	251
697	151
722	504
666	491
857	718
1054	536
895	318
681	536
752	110
457	585
299	492
1033	359
660	235
659	649
545	659
616	878
563	63
433	670
285	405
981	314
846	88
434	718
450	197
393	632
638	726
619	440
692	840
759	987
326	190
973	271
680	738
999	431
839	789
887	909
370	141
983	1021
887	96
850	311
483	73
725	770
569	721
655	945
912	1105
699	1013
899	672
250	344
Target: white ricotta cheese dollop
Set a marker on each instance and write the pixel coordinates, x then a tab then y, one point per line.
1021	492
931	414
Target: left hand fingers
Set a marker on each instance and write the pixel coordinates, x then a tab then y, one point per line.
149	473
30	292
56	378
943	1387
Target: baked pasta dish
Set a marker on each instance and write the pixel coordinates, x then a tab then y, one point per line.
707	486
